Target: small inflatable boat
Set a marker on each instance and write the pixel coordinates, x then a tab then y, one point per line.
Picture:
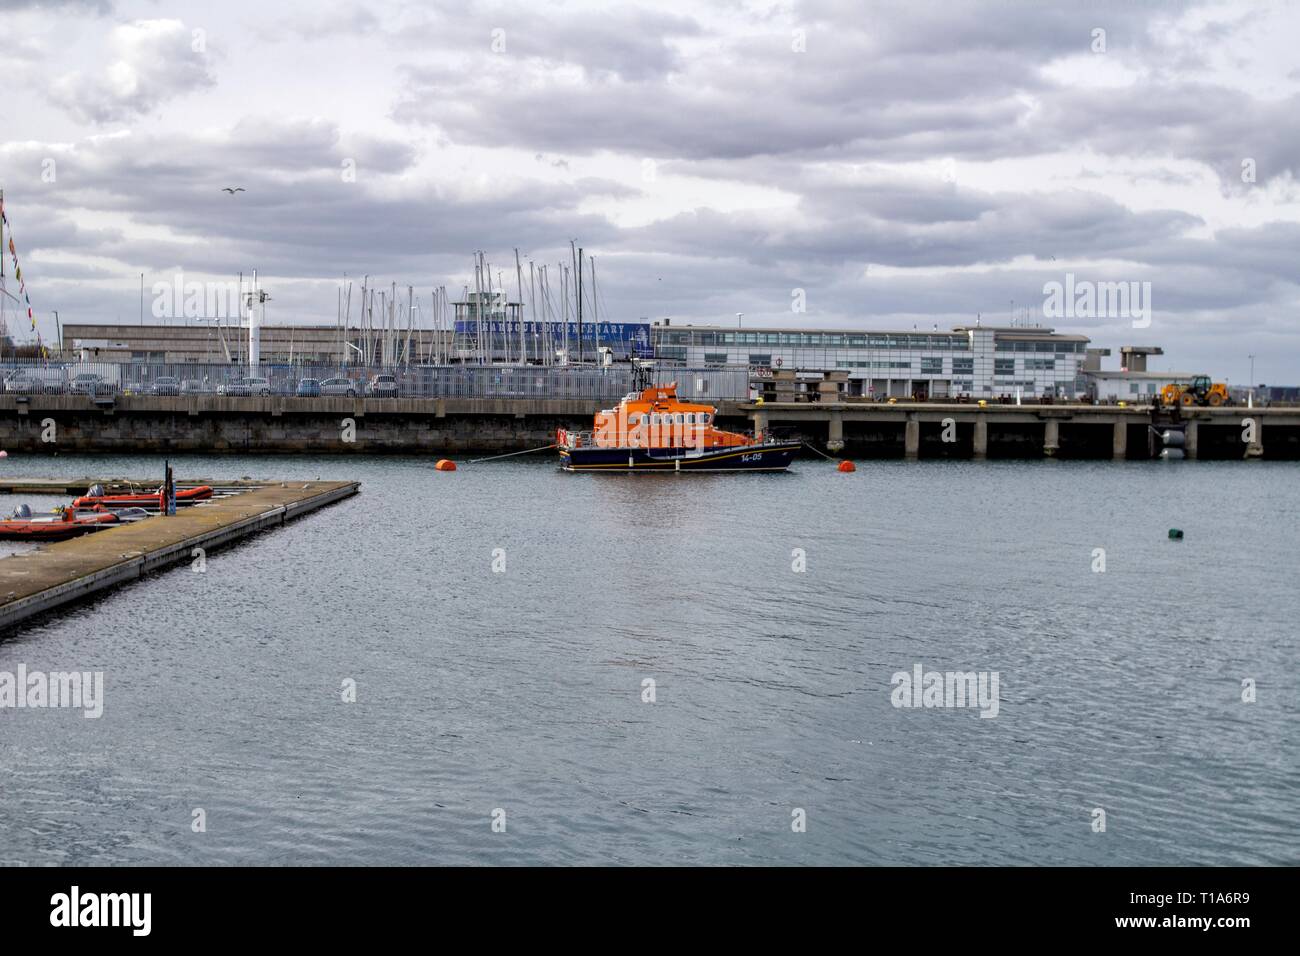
22	525
151	499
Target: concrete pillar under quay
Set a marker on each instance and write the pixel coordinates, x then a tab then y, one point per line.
759	419
835	433
1119	441
980	444
1254	449
1051	437
912	438
1190	437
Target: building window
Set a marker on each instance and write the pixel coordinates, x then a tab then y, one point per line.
931	366
963	366
715	358
1004	366
761	360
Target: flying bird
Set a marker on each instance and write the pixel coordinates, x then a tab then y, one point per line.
232	189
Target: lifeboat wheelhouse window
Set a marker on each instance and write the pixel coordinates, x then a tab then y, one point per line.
690	418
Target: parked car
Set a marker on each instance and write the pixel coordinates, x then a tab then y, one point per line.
308	388
165	385
382	386
340	386
35	381
196	387
88	383
243	387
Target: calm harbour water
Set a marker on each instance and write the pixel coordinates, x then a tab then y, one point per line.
523	691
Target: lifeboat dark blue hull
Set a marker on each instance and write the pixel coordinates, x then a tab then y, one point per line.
769	457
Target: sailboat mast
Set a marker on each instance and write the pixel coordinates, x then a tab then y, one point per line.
519	286
580	343
595	312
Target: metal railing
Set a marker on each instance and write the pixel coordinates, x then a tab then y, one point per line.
609	383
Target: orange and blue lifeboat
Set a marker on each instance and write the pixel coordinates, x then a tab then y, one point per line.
653	430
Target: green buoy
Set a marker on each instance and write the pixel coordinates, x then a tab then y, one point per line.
1176	534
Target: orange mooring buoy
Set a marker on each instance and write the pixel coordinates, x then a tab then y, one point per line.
445	464
847	466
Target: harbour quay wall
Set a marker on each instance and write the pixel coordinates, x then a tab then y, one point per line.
49	424
935	430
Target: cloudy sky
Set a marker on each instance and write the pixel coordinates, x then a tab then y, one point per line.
903	163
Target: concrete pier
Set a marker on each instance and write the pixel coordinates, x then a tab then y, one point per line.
1119	440
67	571
1059	430
445	427
980	442
1254	449
1051	437
835	433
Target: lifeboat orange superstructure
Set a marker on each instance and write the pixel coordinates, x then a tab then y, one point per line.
653	430
657	418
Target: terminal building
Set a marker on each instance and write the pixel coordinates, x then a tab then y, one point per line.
977	361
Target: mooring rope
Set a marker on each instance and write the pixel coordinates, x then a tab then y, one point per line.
819	451
529	451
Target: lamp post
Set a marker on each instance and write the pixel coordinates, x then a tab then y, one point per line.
739	317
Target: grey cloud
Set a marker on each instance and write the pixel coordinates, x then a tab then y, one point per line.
151	61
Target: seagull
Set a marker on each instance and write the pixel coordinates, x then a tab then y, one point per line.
232	189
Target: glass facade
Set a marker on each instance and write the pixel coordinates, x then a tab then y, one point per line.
964	361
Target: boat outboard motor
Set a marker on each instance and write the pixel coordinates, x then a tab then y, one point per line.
95	491
24	510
